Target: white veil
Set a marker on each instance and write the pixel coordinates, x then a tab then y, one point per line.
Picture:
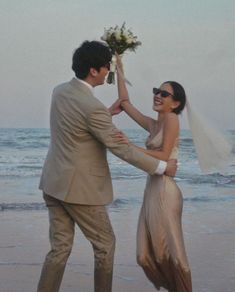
214	150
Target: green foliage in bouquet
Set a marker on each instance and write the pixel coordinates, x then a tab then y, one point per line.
120	39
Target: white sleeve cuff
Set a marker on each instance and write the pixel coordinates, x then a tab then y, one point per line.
161	167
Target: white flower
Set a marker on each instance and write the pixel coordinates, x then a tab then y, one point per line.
105	35
117	34
126	34
111	31
130	41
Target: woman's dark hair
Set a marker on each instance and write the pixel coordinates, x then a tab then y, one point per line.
92	54
179	95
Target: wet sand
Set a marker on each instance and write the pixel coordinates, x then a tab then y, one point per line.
209	238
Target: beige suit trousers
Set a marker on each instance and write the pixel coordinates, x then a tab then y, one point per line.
95	224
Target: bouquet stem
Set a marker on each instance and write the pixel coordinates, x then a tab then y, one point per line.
111	78
113	68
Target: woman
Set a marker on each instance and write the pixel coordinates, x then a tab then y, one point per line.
160	245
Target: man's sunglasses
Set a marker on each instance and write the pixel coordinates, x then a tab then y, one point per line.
163	93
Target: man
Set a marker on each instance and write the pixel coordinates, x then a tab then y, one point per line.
76	180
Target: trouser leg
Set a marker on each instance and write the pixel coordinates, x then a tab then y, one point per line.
95	224
61	236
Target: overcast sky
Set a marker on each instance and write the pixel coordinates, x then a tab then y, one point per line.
190	41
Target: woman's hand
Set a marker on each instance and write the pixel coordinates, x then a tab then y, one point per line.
115	108
119	62
121	138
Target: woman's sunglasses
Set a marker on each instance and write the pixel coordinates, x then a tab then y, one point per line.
163	93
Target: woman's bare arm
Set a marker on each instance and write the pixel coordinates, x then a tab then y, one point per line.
133	112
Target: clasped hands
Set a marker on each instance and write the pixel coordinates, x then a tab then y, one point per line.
116	107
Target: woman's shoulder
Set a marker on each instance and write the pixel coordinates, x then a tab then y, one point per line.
171	118
171	123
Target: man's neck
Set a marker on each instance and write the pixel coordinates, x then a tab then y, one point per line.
84	81
89	81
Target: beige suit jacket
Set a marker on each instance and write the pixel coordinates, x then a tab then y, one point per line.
76	168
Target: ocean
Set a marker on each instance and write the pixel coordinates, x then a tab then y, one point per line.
22	153
208	217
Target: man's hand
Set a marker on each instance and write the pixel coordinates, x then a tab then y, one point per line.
115	108
121	138
171	167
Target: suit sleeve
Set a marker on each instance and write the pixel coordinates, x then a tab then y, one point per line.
100	125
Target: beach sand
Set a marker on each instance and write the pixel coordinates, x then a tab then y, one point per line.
209	238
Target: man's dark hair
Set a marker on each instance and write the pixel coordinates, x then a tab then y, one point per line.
91	54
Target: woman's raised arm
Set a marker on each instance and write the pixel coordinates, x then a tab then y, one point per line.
133	112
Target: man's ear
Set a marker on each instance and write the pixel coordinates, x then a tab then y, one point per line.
93	72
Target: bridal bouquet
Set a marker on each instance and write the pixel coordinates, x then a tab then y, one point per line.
119	39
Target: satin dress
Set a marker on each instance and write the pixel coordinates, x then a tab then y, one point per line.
160	244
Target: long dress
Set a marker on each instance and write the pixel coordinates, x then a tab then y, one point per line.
160	244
